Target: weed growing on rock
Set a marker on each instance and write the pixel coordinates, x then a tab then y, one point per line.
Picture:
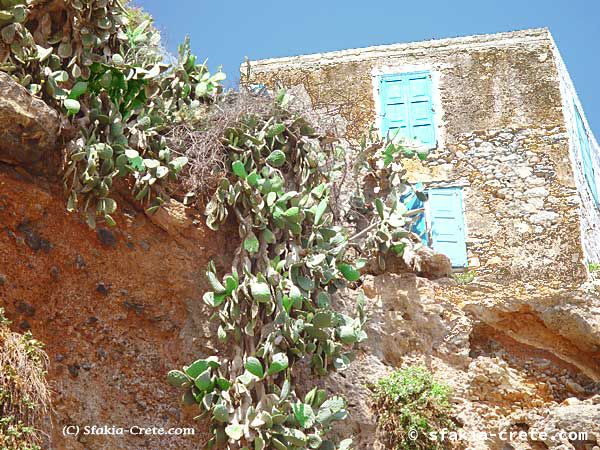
410	404
464	277
594	267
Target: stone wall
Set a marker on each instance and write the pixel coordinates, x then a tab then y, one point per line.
590	212
484	82
501	135
521	208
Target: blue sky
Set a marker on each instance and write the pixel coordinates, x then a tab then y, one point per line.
225	32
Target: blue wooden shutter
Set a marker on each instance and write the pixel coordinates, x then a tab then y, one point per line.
586	156
394	106
448	224
421	108
412	202
407	107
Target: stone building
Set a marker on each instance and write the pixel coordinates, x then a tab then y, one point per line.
512	171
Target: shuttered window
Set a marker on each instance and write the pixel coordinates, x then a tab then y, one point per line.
445	208
586	156
446	220
407	107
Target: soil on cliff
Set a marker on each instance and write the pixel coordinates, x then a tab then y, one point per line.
117	308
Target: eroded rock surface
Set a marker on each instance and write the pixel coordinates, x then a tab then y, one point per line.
564	323
29	129
116	308
501	381
573	416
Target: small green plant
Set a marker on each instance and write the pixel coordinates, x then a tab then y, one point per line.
594	267
464	277
15	433
410	404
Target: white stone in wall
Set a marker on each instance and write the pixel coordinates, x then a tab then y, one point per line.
544	217
537	192
536	203
523	172
536	181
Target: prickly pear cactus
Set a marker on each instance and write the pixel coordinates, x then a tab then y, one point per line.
100	64
275	306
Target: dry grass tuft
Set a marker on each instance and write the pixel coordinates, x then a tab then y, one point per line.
24	393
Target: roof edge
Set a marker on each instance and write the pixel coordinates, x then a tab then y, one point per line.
365	53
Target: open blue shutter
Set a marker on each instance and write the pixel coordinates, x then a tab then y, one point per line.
421	108
586	156
448	224
407	107
412	202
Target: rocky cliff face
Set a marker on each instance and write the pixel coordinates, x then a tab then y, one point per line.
118	308
513	365
29	129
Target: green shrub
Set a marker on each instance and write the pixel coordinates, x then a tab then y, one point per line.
464	277
410	404
594	267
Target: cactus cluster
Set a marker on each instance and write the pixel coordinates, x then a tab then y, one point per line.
276	305
101	65
387	224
